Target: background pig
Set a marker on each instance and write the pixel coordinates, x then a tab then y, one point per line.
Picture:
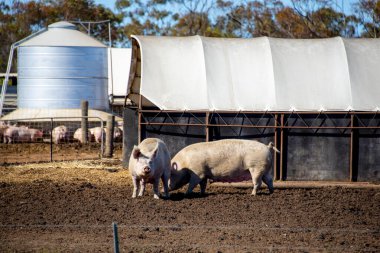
118	134
150	162
78	135
97	133
224	160
60	134
3	127
21	134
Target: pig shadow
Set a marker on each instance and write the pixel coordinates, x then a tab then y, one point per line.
178	196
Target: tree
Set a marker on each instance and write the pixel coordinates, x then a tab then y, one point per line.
250	19
316	19
369	17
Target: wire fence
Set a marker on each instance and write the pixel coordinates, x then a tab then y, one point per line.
53	139
238	237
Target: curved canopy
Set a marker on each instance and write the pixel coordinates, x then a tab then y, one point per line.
259	74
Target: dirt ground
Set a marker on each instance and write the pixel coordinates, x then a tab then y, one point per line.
70	207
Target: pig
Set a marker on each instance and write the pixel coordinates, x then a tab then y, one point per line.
3	127
21	134
60	134
78	135
97	133
150	162
228	160
118	133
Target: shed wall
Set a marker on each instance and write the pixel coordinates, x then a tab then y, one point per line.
307	154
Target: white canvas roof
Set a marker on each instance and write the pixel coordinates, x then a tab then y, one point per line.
259	74
62	34
119	61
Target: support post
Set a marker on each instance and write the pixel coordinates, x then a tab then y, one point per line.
277	143
282	149
207	118
109	136
84	123
354	143
51	140
139	119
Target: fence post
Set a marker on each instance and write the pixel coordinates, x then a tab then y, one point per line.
84	123
51	140
115	238
109	136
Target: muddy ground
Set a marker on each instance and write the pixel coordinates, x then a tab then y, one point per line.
70	206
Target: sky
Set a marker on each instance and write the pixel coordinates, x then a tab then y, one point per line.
345	3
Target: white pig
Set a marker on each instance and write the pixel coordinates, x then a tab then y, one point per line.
78	135
3	127
150	162
21	134
118	134
225	161
97	133
60	134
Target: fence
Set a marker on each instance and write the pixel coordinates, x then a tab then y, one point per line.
179	238
55	139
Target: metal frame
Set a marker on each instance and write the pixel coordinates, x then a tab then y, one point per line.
281	127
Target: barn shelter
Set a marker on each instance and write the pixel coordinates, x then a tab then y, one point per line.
317	100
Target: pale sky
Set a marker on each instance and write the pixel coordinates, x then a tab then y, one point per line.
345	3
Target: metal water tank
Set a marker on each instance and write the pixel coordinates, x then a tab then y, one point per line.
60	67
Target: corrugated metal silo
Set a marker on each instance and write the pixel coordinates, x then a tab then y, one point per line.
60	67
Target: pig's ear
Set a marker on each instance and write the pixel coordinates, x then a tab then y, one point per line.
155	152
136	152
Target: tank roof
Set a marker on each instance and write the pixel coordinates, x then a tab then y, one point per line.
63	25
62	34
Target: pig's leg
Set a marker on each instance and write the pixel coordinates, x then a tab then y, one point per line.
268	180
256	180
156	194
136	184
165	182
203	185
194	180
142	187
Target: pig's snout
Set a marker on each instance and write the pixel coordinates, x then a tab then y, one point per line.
146	169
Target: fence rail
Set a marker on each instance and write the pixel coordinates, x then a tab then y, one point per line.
54	138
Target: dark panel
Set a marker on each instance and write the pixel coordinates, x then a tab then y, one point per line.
322	157
264	135
369	158
369	148
130	133
177	137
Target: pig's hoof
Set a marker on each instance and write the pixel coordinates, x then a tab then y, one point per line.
133	196
155	196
